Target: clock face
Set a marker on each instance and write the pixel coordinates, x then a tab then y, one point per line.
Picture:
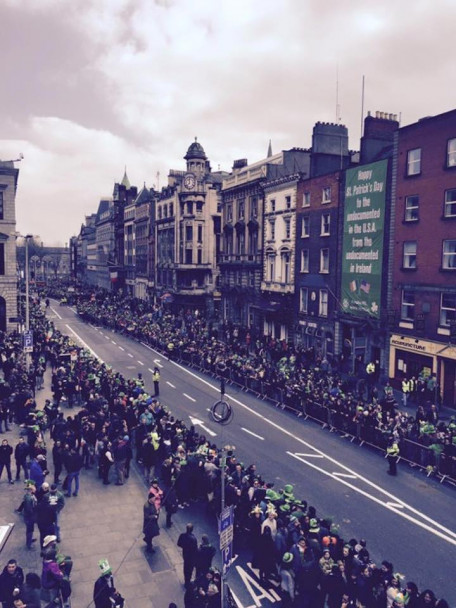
189	181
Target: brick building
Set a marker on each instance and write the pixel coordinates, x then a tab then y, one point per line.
423	301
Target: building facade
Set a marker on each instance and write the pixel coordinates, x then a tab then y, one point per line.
8	271
423	302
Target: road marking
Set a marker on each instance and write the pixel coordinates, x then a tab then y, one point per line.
114	342
74	310
333	460
347	475
252	433
169	384
188	397
310	455
130	355
140	362
197	422
107	337
56	313
151	370
84	343
157	363
121	348
387	505
395	504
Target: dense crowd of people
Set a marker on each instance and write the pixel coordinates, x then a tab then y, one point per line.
118	420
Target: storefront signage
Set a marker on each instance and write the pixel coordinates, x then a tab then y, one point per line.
362	249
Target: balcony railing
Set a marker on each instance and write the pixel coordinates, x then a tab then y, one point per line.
244	258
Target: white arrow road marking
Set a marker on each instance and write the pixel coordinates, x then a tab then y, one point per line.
252	433
387	505
157	363
84	344
169	384
288	433
188	397
197	422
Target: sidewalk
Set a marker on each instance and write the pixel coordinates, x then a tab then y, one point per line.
104	522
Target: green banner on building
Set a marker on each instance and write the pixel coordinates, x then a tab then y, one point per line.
362	247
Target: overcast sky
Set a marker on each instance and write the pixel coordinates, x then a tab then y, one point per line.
91	86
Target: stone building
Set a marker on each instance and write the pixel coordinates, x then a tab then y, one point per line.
8	272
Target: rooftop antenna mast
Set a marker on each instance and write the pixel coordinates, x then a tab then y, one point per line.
338	119
158	181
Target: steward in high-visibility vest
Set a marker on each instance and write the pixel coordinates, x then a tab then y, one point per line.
392	452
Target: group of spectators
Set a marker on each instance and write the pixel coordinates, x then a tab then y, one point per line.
118	420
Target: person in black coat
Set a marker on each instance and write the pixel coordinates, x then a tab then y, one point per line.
189	545
105	595
21	453
150	522
11	578
5	459
206	553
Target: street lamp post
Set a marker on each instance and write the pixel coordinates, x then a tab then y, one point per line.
27	304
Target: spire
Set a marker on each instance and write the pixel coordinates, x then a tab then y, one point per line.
125	181
269	149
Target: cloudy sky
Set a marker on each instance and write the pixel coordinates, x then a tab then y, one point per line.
92	86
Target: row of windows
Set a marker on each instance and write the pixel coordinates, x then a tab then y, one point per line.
273	206
322	301
324	260
447	307
325	197
409	253
272	228
325	225
412	206
241	209
414	158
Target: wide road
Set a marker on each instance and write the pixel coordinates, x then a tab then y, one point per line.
409	520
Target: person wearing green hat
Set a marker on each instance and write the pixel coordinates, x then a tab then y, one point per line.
105	595
287	580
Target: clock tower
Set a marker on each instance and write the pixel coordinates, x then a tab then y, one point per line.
197	165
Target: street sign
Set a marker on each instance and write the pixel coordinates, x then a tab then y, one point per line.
226	527
28	341
227	554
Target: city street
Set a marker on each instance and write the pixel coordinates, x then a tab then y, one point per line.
408	520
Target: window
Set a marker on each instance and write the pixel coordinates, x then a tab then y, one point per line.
189	233
2	259
451	153
288	202
285	270
229	213
306	199
409	254
326	195
2	209
165	211
287	222
272	229
254	207
449	254
324	260
303	300
414	162
190	208
450	202
412	208
200	234
241	210
199	256
325	223
408	306
171	209
448	309
273	206
199	206
270	271
189	255
305	260
323	303
305	226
